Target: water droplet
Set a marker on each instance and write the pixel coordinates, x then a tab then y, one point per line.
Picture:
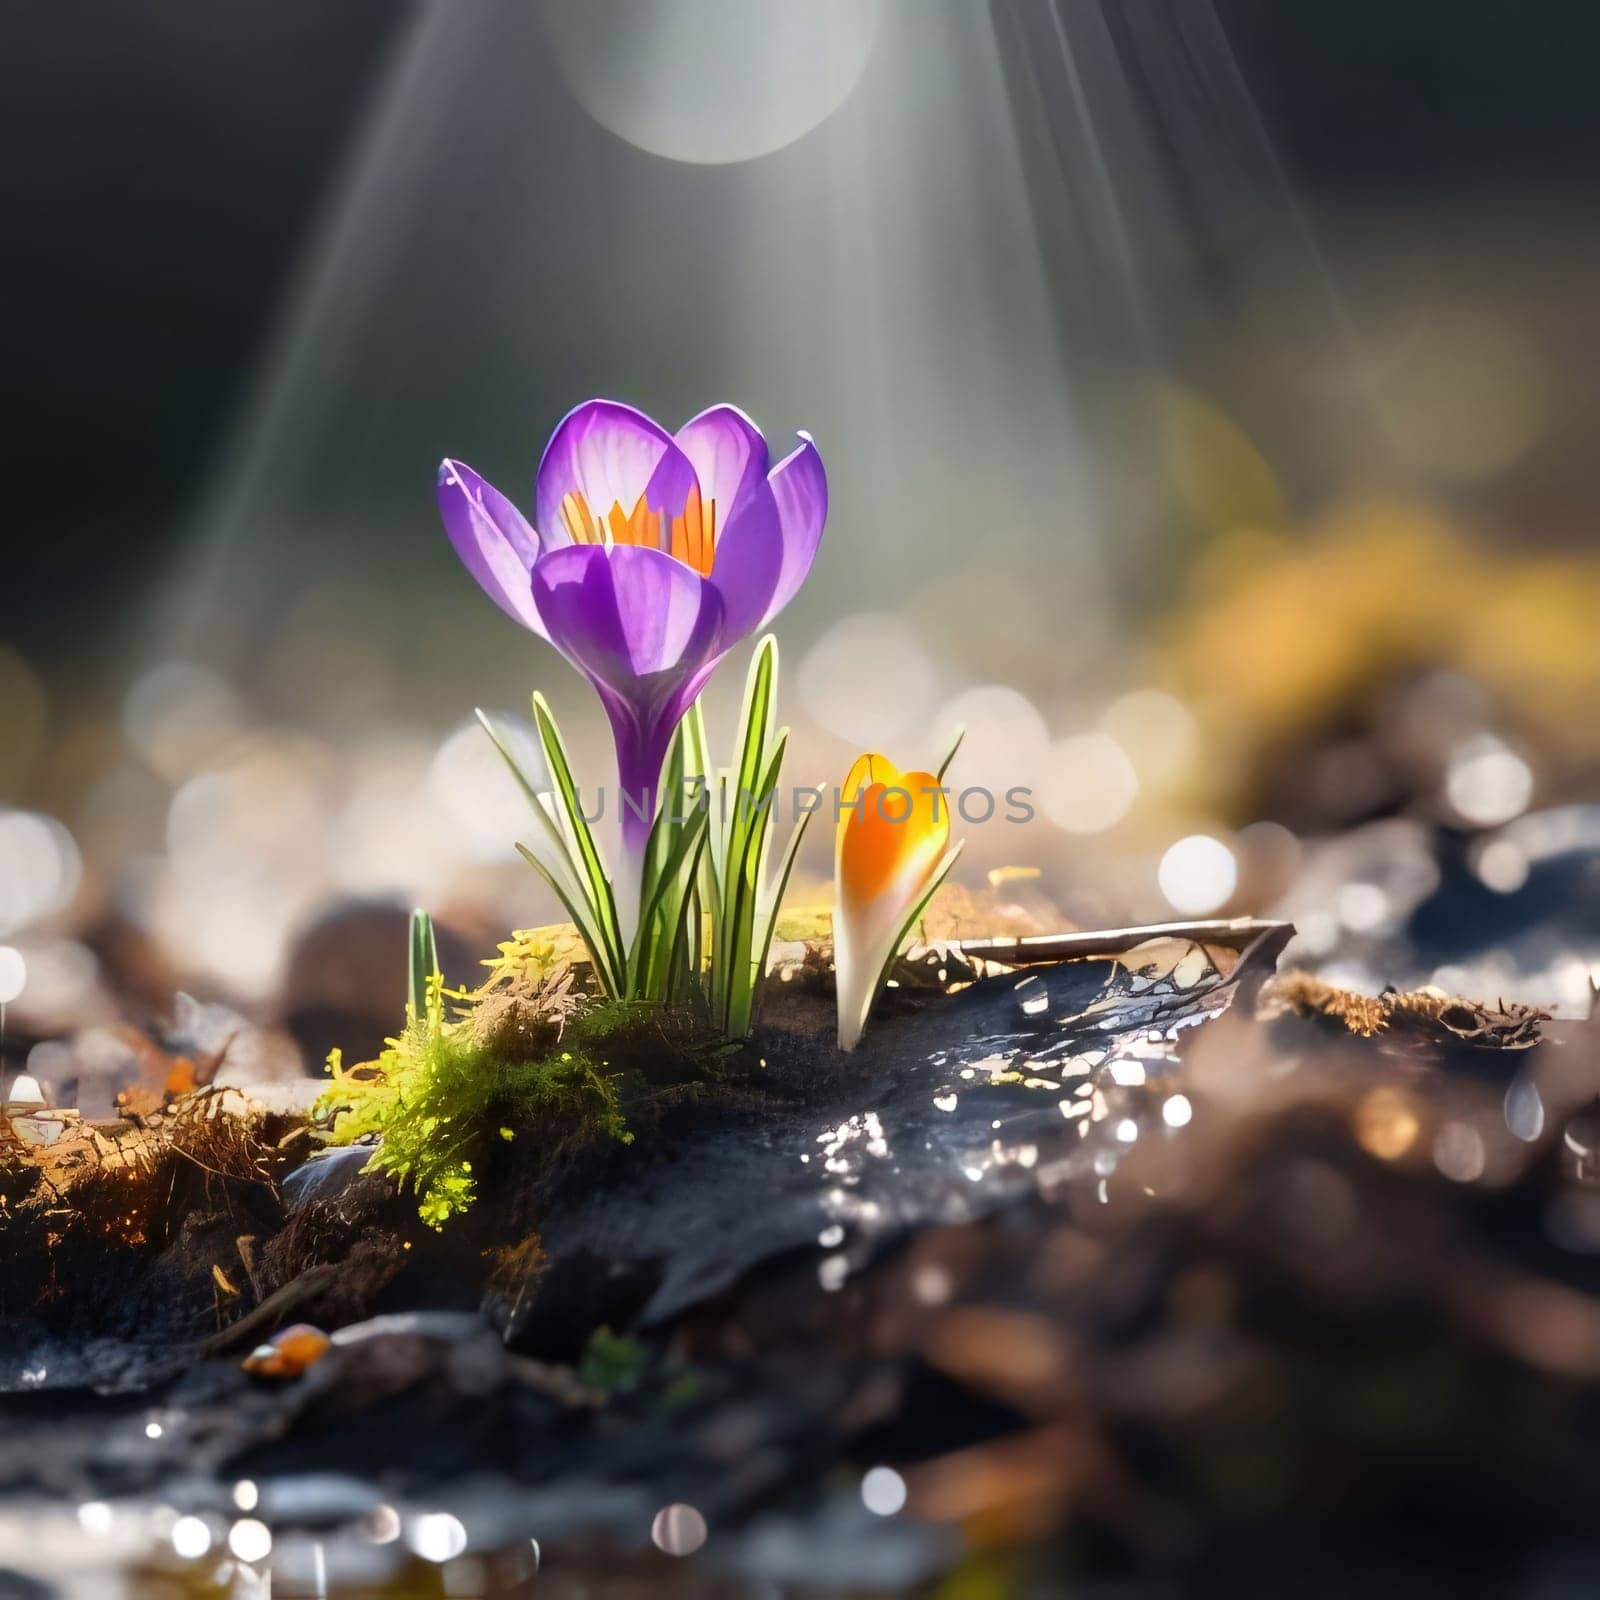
832	1272
1033	997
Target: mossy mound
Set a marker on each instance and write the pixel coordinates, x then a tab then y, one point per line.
529	1056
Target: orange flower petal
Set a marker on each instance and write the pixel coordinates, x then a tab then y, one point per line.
893	830
895	836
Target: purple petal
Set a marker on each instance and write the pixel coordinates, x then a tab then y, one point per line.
642	740
728	453
646	631
800	487
628	615
669	486
493	539
749	563
610	454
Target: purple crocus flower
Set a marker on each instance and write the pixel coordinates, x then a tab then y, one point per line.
650	556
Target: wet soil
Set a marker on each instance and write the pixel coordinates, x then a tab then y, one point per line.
1129	1276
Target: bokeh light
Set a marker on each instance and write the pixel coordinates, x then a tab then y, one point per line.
711	81
477	799
191	1538
180	716
883	1491
869	681
250	1540
13	974
39	869
1487	782
678	1530
437	1536
1197	874
1157	732
1089	783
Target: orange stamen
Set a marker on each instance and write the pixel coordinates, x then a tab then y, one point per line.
699	533
690	538
580	525
645	524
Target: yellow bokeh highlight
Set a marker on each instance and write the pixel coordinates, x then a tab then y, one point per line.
1279	634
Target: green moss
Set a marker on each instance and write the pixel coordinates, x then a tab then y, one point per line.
443	1094
612	1362
805	924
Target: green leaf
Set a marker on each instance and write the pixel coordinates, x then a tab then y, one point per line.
668	879
758	713
423	963
673	975
614	983
542	805
673	783
735	889
914	916
562	874
771	897
587	856
950	752
697	763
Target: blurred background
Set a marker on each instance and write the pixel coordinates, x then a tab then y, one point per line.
1206	390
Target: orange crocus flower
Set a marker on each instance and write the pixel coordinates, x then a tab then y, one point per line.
889	857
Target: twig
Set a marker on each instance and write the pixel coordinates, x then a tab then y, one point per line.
272	1310
1235	933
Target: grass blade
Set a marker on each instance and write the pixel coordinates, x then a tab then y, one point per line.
950	751
561	874
423	962
588	856
541	802
666	889
610	981
935	883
